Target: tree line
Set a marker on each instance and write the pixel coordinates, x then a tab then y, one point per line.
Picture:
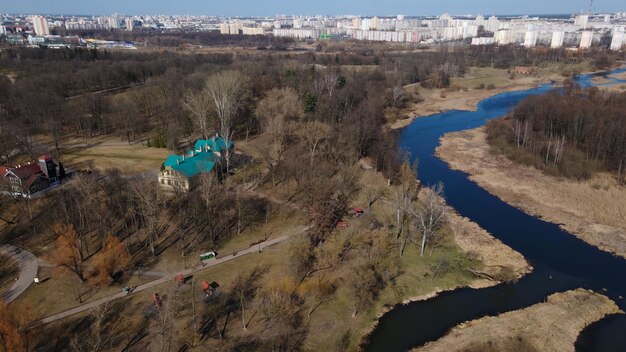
571	132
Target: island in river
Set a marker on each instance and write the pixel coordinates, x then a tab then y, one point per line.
594	210
550	326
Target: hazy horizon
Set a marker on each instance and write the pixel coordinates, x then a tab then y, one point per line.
248	8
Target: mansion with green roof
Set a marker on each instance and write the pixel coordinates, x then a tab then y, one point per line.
179	170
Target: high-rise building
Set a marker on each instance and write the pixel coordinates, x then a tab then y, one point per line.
224	29
229	28
504	37
557	39
114	22
581	21
618	39
3	30
233	28
366	24
130	24
40	25
530	39
374	22
493	24
586	39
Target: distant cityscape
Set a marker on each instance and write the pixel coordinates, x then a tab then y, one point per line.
581	31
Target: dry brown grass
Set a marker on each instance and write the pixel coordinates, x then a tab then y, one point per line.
58	291
594	210
550	326
126	158
494	254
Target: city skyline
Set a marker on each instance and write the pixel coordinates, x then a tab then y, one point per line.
310	7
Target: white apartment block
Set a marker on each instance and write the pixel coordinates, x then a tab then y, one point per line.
387	36
483	41
581	21
530	39
40	25
557	39
229	28
586	39
252	31
619	37
308	33
504	37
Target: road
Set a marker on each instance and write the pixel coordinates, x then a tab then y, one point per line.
209	264
28	270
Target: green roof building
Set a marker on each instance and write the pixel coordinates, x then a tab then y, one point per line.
179	170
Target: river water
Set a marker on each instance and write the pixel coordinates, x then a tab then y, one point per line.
561	261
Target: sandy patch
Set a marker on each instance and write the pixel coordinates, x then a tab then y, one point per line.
593	210
550	326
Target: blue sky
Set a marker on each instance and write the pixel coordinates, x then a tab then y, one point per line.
308	7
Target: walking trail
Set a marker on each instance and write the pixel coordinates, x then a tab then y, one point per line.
28	270
211	263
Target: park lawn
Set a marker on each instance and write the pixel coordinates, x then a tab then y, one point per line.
129	159
57	291
482	75
283	221
254	146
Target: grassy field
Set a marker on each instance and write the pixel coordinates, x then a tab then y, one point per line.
482	75
61	291
126	158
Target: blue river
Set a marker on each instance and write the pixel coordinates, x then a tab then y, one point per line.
561	261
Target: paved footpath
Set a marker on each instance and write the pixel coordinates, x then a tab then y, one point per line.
28	270
151	284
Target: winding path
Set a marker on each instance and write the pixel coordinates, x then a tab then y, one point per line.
211	263
28	270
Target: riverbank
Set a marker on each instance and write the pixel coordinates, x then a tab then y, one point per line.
592	210
500	262
550	326
465	94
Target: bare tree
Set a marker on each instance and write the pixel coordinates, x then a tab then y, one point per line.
431	215
245	289
318	292
407	193
149	199
301	258
329	79
276	111
165	325
199	105
363	283
228	91
95	339
313	134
